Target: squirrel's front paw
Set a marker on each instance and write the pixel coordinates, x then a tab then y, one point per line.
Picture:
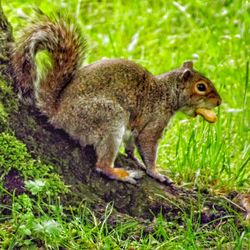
160	177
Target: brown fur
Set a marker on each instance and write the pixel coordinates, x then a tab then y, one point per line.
98	103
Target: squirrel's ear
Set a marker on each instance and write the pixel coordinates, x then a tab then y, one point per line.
188	65
186	74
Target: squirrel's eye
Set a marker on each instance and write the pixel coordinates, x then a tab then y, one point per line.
201	87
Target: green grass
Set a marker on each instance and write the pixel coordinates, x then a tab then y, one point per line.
161	35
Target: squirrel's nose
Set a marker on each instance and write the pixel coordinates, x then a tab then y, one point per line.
219	102
216	101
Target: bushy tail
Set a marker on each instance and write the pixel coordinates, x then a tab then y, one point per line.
63	41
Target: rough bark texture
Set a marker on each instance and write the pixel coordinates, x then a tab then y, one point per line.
76	165
5	40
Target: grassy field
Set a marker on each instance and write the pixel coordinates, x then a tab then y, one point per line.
160	35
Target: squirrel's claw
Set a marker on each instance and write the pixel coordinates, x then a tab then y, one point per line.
136	174
133	176
160	177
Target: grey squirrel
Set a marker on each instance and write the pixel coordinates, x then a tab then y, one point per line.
99	103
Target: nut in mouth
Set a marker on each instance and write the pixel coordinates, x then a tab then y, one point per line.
207	114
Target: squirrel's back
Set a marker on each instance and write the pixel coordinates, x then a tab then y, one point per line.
109	75
117	81
66	47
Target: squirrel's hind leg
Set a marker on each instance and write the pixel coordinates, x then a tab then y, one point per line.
107	150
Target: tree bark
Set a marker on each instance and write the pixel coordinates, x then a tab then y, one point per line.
77	165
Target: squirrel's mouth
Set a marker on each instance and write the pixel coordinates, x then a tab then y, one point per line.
207	114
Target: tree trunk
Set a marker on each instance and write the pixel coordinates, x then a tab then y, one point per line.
77	165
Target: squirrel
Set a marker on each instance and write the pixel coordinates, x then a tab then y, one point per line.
109	101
